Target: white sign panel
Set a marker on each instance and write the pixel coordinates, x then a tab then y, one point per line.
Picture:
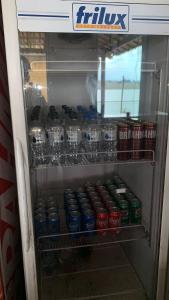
89	16
100	17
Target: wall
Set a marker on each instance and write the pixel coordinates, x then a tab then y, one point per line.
10	258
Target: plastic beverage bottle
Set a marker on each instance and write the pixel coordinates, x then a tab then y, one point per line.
109	140
92	138
73	140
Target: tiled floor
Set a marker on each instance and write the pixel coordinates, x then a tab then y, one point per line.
105	274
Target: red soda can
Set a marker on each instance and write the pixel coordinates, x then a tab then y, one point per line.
137	133
110	204
150	133
92	194
123	141
97	204
100	188
102	218
114	219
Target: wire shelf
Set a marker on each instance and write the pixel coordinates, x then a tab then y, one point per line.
93	238
91	158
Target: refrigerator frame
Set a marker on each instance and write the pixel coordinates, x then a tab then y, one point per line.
22	165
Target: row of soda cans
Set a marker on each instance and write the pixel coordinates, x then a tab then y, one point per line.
101	207
46	217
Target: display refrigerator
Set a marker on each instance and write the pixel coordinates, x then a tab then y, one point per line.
88	87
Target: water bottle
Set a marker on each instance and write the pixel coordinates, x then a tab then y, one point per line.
109	140
38	142
92	139
55	137
73	141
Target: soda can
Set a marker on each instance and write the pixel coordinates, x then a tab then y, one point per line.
80	190
137	132
69	196
129	196
114	219
51	204
85	206
150	133
53	224
40	210
81	195
83	201
74	222
40	225
124	207
72	208
71	201
102	221
39	204
51	210
97	204
95	199
88	220
68	191
92	194
110	204
123	141
108	182
135	211
100	188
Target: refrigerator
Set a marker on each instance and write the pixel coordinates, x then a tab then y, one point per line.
88	85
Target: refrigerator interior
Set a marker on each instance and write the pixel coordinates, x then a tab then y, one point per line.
78	69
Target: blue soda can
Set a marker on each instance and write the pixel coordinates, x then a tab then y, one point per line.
52	210
40	225
88	220
81	195
40	210
71	202
51	204
80	190
83	201
85	206
53	223
39	204
72	207
74	222
68	191
67	197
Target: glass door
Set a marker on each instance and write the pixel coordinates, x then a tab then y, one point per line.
92	105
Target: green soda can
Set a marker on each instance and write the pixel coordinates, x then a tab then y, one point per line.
135	210
129	196
124	207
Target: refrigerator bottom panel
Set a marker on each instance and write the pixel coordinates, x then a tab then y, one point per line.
101	273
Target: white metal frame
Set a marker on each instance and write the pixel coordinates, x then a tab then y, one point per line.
22	167
20	143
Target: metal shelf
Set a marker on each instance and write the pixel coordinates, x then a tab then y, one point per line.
83	159
67	241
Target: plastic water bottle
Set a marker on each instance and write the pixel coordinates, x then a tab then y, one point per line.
109	140
73	141
92	139
38	142
55	136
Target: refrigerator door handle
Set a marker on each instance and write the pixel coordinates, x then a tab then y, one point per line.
22	190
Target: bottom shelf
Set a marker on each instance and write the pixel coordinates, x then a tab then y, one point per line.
82	239
105	273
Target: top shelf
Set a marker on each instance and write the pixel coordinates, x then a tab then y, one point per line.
129	157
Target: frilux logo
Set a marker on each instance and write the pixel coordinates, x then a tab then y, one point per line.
100	17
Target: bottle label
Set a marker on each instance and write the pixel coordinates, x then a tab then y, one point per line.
109	135
56	137
92	136
73	136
